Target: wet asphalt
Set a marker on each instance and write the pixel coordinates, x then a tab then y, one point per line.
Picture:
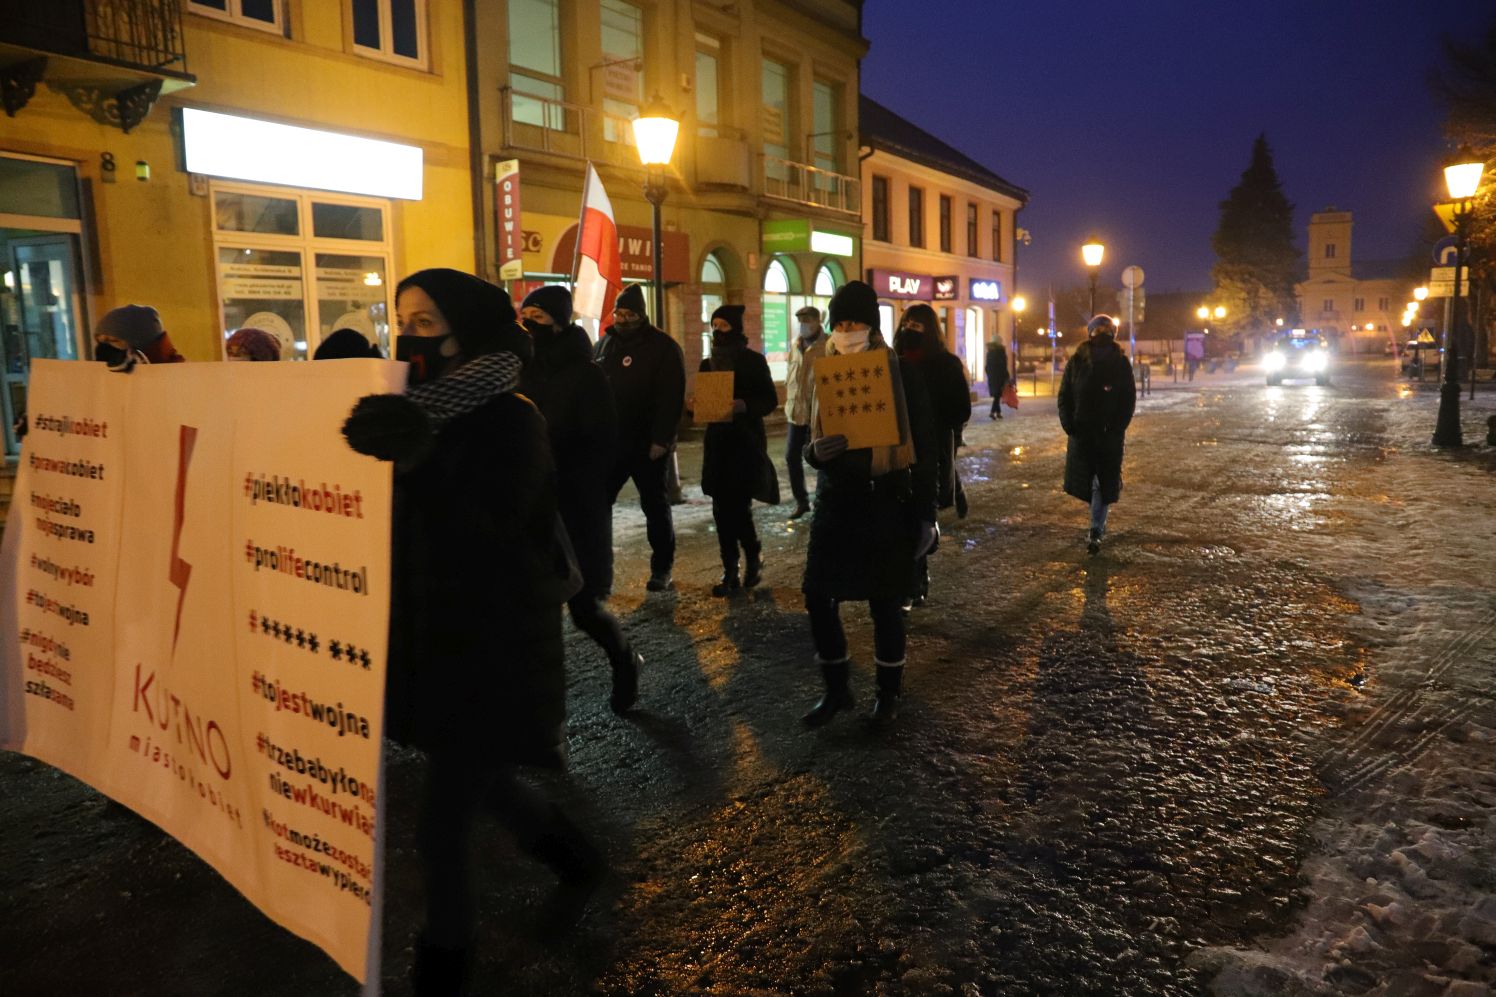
1102	764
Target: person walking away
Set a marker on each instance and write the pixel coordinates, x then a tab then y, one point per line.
573	394
799	392
920	343
1096	400
874	515
997	375
735	466
133	334
480	571
252	344
648	373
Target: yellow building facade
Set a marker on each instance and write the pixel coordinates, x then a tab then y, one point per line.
1358	305
278	163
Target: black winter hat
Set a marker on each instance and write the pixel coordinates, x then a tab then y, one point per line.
854	302
480	314
347	344
554	300
733	316
632	298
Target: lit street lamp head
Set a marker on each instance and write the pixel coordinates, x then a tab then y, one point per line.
1202	313
1463	175
1220	311
655	131
1019	304
1420	293
1092	252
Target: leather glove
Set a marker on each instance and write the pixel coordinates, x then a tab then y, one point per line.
929	533
389	427
829	447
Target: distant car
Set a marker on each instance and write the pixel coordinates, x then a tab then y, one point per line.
1298	354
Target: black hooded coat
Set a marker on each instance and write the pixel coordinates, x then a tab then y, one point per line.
950	398
735	455
1096	401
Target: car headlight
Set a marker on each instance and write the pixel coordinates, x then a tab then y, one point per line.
1273	361
1316	361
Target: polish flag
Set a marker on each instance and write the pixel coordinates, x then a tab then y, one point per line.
599	271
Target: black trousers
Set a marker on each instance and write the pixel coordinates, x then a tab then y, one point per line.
649	478
733	515
831	640
593	618
794	461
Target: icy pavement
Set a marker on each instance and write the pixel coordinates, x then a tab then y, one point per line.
1247	748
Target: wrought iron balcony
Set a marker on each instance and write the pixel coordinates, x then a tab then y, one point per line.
112	58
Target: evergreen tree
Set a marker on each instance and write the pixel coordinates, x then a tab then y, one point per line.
1256	260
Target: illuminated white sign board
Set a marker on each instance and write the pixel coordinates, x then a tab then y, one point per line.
226	145
831	243
986	290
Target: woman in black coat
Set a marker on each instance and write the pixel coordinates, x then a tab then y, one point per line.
735	465
1096	401
476	673
874	516
577	401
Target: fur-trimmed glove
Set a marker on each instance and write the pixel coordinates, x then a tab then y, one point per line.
389	427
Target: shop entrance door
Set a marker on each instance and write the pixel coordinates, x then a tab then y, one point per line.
42	306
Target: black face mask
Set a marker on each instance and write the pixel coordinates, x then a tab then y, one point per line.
535	328
631	326
723	341
424	354
111	355
911	339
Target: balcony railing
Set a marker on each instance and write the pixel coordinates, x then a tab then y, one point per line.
806	184
141	34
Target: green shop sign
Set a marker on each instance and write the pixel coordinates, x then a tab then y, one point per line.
797	235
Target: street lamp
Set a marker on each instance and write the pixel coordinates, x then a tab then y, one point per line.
1420	293
1462	177
1019	304
655	131
1091	253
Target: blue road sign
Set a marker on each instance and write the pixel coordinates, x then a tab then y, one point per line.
1445	250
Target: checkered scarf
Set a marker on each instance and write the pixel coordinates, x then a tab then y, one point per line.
470	386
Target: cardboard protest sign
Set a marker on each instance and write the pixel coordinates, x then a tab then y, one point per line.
713	397
855	398
194	598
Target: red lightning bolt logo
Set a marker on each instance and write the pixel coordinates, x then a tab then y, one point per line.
181	571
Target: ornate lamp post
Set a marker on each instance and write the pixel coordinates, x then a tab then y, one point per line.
1019	304
655	131
1463	179
1091	253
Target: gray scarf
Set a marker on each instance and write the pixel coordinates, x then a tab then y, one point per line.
470	386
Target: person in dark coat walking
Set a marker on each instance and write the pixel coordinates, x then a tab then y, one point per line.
874	515
997	375
920	342
648	374
480	572
735	466
574	396
1096	400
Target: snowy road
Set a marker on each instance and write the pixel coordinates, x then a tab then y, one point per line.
1249	747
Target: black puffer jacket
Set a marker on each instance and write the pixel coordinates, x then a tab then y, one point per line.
576	399
735	458
950	402
648	374
1096	401
475	633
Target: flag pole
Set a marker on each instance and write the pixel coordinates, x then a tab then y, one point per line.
576	249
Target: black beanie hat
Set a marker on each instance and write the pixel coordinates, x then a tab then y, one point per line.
554	300
480	314
632	298
854	302
347	344
733	316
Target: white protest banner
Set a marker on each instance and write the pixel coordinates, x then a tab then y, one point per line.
194	597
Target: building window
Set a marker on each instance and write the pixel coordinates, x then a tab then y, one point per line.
1383	304
623	80
1329	306
394	30
708	86
263	14
880	208
916	217
972	249
1360	305
945	223
535	64
779	307
302	264
1329	250
826	138
776	113
997	235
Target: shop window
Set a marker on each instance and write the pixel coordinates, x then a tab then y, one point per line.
975	349
622	76
779	306
708	86
916	217
535	67
302	265
394	30
945	223
33	187
263	14
880	208
713	296
886	319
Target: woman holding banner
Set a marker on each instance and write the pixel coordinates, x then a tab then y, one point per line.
480	572
735	465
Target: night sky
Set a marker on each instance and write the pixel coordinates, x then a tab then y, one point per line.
1134	119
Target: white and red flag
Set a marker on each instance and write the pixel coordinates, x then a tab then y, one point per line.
598	268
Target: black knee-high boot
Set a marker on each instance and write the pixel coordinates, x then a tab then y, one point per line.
890	687
838	695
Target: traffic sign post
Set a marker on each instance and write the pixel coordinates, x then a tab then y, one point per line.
1132	279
